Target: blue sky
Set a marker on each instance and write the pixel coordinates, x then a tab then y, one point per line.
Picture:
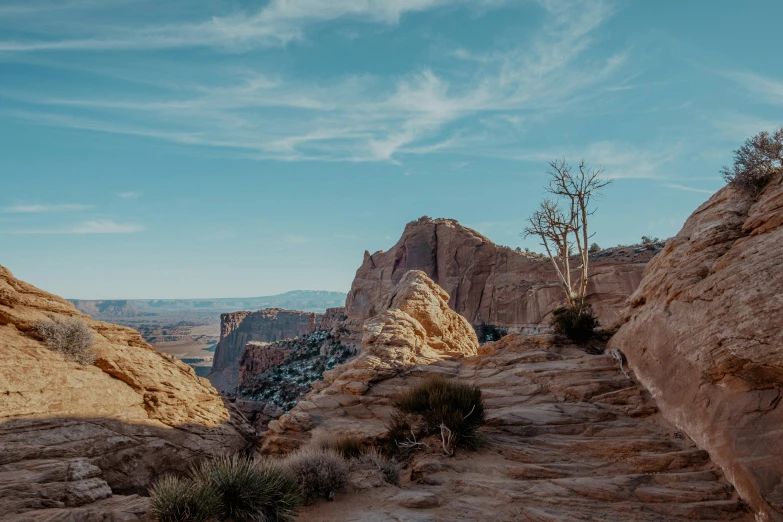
227	148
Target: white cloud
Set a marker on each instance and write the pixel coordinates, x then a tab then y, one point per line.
360	118
277	23
129	195
770	89
30	209
687	189
89	227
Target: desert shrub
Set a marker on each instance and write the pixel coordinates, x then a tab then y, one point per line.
348	447
374	458
756	162
69	336
439	406
319	472
594	248
176	499
488	333
248	490
575	320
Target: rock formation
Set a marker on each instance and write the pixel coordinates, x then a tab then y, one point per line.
333	318
704	334
488	283
568	436
71	434
239	328
417	328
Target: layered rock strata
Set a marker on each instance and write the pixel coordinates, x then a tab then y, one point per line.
239	328
488	283
703	333
72	434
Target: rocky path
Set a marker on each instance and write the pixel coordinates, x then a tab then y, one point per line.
569	438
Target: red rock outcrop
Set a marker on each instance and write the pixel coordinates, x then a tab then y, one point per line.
704	333
488	283
259	357
333	318
417	328
70	434
239	328
569	437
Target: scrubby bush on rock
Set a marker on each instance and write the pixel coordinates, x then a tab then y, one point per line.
575	320
177	499
250	490
756	162
373	458
69	336
437	406
236	489
347	447
320	472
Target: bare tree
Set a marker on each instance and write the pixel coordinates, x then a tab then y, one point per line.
756	162
561	223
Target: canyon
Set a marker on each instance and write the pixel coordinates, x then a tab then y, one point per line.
671	414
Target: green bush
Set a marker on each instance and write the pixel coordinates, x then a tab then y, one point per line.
249	490
576	321
438	406
175	499
70	336
319	472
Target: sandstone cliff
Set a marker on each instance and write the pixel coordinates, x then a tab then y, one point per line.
70	434
703	333
488	283
568	436
239	328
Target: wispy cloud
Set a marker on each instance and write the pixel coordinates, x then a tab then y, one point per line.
129	195
356	118
88	227
687	189
277	23
31	209
770	89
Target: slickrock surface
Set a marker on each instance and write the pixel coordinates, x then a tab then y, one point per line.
239	328
568	438
488	283
704	333
418	328
70	434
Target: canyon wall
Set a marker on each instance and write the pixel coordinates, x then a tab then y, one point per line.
239	328
704	333
71	435
489	283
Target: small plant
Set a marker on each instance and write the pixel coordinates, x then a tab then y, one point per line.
576	320
594	248
176	499
348	447
69	336
390	469
438	406
249	491
756	162
319	472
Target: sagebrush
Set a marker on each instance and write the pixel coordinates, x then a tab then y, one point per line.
375	459
438	406
69	336
755	163
348	447
228	488
320	472
177	499
250	490
575	320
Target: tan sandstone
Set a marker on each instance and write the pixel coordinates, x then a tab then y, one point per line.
488	283
70	434
704	334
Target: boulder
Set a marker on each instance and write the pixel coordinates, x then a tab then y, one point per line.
704	333
70	434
